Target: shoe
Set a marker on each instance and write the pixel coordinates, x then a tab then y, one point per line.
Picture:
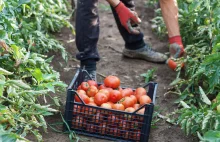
146	53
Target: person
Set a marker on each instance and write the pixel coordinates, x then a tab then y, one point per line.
87	32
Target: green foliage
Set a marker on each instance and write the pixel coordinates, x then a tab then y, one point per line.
149	76
199	24
26	74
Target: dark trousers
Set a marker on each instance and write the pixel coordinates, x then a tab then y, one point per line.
87	30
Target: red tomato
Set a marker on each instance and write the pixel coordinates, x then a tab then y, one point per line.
134	99
102	87
119	89
85	86
91	92
84	97
139	92
97	118
100	98
112	81
127	92
78	122
81	92
127	102
91	100
141	111
79	87
118	107
92	83
173	65
113	131
106	92
109	89
106	105
111	103
76	109
130	109
115	96
103	127
144	100
136	106
112	120
92	104
91	128
123	125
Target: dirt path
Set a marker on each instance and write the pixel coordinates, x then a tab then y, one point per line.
128	70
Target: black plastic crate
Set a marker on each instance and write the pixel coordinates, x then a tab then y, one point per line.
107	123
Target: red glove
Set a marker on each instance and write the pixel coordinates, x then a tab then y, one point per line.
176	47
176	51
127	17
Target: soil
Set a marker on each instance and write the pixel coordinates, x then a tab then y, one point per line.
112	62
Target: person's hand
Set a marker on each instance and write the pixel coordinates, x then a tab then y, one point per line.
176	51
176	47
127	18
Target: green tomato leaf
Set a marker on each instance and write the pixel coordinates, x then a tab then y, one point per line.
212	136
5	72
2	83
3	34
38	75
23	2
184	104
204	98
19	83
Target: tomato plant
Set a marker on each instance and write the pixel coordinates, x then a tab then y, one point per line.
199	83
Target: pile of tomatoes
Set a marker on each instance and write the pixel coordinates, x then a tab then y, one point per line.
109	96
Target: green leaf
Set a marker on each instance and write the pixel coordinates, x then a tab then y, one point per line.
205	122
17	52
50	87
212	136
204	98
19	83
184	104
2	83
5	72
176	81
3	34
23	2
149	75
56	101
38	75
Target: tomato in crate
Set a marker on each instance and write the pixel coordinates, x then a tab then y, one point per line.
108	110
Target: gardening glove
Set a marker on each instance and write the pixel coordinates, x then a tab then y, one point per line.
127	18
176	51
176	47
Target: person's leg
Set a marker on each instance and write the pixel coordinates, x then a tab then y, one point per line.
87	34
169	10
135	47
